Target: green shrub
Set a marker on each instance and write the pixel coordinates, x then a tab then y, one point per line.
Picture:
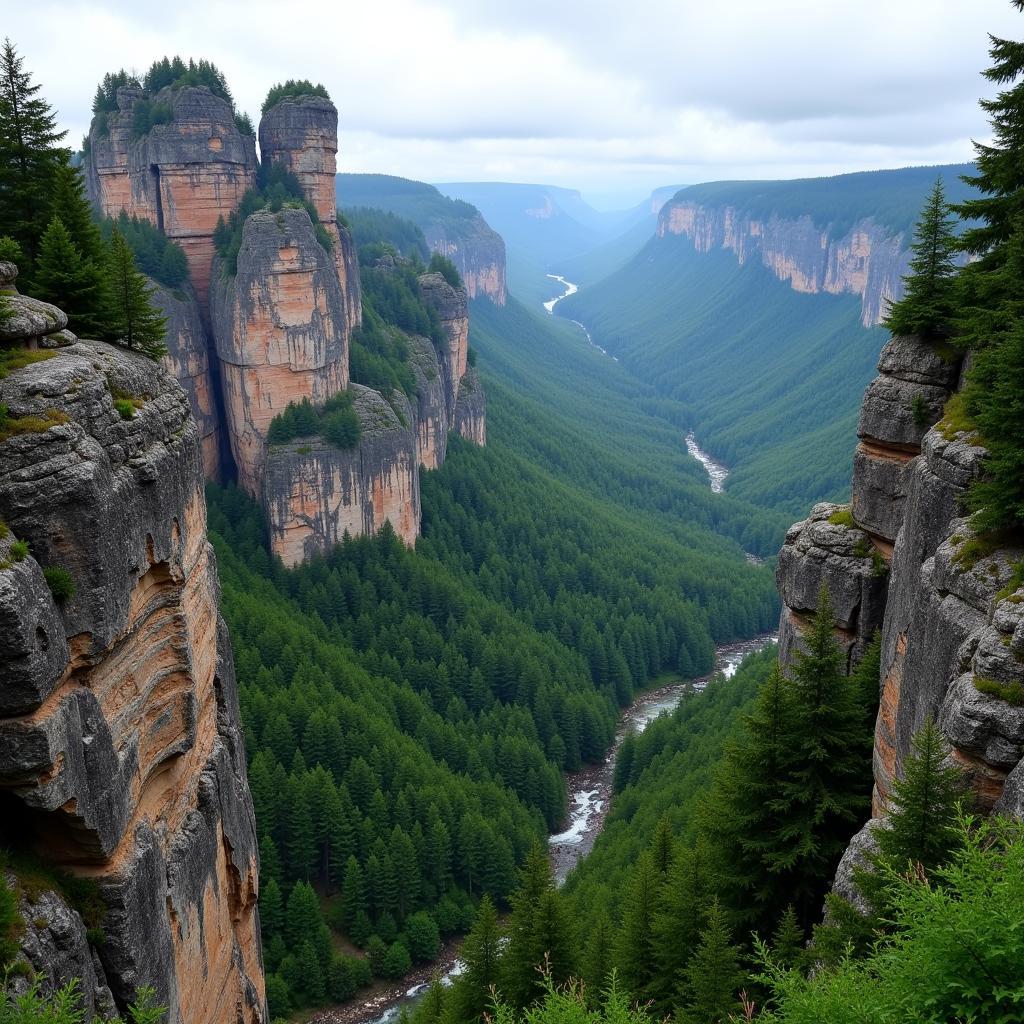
10	251
60	582
19	550
146	115
337	422
294	87
843	517
125	408
919	410
440	264
1012	693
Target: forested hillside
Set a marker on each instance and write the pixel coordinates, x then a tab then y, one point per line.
409	714
770	376
771	379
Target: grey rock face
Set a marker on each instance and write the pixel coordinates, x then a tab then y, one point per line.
56	945
819	553
471	408
862	845
23	319
478	253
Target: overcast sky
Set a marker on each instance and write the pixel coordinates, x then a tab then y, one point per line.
610	97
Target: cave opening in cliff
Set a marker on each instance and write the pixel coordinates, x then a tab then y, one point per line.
154	169
28	831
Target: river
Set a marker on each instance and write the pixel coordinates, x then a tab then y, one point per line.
715	470
589	795
589	791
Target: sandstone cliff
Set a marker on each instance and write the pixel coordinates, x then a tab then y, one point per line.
280	331
901	559
866	260
121	756
181	176
301	132
314	493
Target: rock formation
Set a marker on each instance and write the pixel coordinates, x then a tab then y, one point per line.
272	327
188	360
181	176
478	252
868	260
280	330
315	493
301	132
901	558
121	756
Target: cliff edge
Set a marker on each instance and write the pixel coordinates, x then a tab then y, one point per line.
121	755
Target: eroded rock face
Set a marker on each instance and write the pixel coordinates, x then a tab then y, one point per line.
433	420
471	409
478	252
915	380
820	553
181	176
313	492
121	755
280	332
188	360
452	308
867	261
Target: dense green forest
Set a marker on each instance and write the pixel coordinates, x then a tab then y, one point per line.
488	660
412	200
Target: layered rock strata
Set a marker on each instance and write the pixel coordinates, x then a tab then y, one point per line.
301	132
315	493
121	756
478	253
280	331
182	176
867	261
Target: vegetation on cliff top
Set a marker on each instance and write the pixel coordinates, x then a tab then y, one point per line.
336	421
294	87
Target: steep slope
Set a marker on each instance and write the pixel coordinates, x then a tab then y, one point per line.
454	229
122	758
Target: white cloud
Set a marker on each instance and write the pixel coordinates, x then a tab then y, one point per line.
602	95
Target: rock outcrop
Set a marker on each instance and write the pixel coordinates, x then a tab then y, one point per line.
182	175
315	493
121	756
477	250
867	260
471	409
301	133
950	610
280	331
188	360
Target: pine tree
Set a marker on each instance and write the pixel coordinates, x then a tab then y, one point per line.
713	974
135	321
635	958
922	822
682	909
821	796
788	940
29	156
71	282
303	917
481	953
312	974
271	910
598	956
539	933
929	300
742	819
69	203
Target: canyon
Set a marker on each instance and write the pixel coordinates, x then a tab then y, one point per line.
247	340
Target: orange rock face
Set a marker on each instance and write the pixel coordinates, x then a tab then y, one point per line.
313	493
125	763
181	176
866	261
280	332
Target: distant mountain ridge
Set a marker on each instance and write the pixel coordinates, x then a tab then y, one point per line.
755	305
844	234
